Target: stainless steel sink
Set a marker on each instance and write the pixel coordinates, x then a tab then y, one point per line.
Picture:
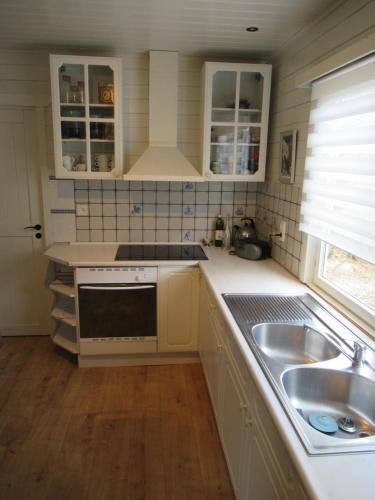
293	344
339	394
315	365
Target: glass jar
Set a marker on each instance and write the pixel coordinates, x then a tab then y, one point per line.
81	90
65	88
74	95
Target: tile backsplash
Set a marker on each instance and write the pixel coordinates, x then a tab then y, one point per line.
158	211
277	202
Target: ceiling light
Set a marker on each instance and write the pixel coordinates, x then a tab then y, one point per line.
252	28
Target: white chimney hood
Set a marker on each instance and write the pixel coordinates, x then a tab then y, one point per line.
162	160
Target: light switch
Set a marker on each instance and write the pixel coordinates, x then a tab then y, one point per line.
82	209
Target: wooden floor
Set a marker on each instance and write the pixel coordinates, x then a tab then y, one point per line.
104	433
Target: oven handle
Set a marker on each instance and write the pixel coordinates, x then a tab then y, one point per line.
141	287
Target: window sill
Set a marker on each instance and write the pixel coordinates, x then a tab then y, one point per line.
352	321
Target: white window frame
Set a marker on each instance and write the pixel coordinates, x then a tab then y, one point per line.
347	304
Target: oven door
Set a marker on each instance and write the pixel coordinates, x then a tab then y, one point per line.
120	312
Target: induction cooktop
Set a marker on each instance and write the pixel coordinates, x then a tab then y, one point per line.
160	252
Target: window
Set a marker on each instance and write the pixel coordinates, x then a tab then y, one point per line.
350	279
338	208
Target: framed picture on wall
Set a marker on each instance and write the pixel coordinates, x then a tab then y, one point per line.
288	141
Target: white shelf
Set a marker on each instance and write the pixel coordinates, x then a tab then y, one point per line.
63	289
73	104
102	140
64	316
242	110
72	118
101	105
235	124
66	338
102	120
73	140
232	143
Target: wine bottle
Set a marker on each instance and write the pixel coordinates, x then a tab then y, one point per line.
219	231
227	235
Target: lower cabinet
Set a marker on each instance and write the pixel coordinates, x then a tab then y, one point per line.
257	459
178	301
232	424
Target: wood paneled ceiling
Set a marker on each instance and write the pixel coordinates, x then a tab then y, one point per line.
193	27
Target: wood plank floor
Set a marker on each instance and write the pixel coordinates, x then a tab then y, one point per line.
104	433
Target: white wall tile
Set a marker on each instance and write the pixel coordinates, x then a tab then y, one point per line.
64	227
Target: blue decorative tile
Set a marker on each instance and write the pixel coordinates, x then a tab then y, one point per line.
136	209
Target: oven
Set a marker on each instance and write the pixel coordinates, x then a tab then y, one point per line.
117	310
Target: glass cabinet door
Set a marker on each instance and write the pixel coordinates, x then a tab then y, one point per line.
73	116
236	120
101	109
87	116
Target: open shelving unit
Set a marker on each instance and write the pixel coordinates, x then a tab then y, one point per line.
63	311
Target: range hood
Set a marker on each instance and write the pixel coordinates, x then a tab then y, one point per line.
162	160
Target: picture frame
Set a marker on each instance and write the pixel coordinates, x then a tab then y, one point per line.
288	143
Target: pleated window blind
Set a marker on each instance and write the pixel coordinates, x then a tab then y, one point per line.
339	188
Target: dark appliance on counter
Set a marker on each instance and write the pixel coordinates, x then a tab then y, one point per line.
246	244
253	249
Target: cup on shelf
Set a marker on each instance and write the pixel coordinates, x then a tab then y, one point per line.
103	162
69	161
222	138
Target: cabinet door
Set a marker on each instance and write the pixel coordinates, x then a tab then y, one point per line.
178	298
260	485
232	426
236	108
86	108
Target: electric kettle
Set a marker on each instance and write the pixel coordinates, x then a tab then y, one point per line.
245	232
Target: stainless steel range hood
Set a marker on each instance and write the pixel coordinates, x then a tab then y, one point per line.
162	160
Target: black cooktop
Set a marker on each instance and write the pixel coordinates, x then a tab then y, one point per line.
160	252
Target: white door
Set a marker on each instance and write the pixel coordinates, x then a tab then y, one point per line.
24	299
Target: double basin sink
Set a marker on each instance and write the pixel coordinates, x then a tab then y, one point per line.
323	375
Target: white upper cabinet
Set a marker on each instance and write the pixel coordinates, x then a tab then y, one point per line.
235	120
87	116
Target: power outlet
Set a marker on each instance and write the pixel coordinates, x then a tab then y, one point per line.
82	209
283	229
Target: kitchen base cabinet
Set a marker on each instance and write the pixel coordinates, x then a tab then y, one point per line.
257	459
258	480
210	350
178	300
233	421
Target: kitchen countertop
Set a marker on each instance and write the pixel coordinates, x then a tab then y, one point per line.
331	477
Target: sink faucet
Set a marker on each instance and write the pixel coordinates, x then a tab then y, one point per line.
359	354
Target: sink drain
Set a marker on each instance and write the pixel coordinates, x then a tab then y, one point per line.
346	424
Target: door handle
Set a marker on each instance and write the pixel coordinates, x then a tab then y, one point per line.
37	227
